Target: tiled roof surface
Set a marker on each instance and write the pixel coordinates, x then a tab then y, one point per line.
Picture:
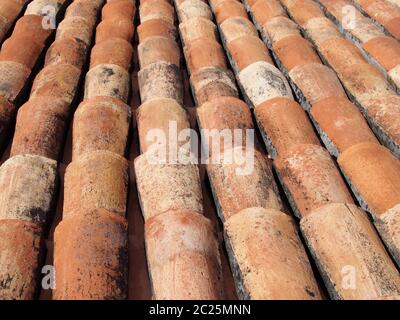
306	100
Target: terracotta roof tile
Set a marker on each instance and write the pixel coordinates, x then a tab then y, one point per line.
321	29
279	28
178	185
156	27
8	112
13	78
303	10
374	173
341	124
316	82
264	11
233	191
284	124
182	256
224	113
189	9
196	28
160	80
101	123
265	248
234	28
107	80
310	178
75	27
28	189
295	51
66	51
229	9
86	240
210	83
197	58
114	51
40	127
385	49
57	81
119	10
97	180
342	240
262	81
20	249
108	29
156	9
157	49
167	111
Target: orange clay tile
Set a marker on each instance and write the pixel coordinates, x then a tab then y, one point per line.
262	81
66	51
294	51
317	82
107	80
247	50
156	49
229	9
156	27
171	116
13	77
198	58
385	112
342	123
242	178
284	124
21	49
177	184
211	83
234	28
97	180
122	9
31	26
303	10
113	51
279	28
213	3
183	258
75	27
374	173
365	82
196	28
321	29
341	52
385	50
10	9
157	9
41	127
160	80
91	257
189	9
28	187
388	226
108	29
224	115
311	178
393	26
84	9
8	112
349	253
264	10
19	259
264	248
57	81
100	123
